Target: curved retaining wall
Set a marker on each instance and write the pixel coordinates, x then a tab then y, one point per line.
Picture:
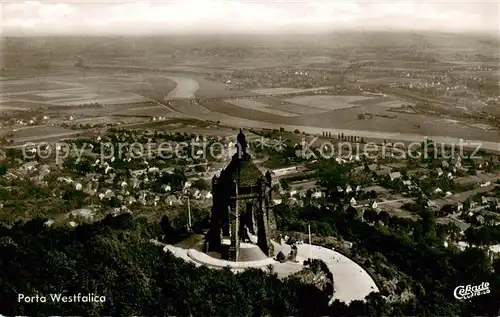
362	266
205	259
351	281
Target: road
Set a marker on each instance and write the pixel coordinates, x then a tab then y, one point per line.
402	200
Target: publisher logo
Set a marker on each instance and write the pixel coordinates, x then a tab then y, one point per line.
469	291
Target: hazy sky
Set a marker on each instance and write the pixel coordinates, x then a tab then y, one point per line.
146	17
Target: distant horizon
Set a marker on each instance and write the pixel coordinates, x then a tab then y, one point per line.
213	17
249	34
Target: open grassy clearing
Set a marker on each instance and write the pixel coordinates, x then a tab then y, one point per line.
394	123
208	131
6	104
9	87
4	108
83	90
224	107
117	99
288	107
327	102
27	132
381	103
153	111
47	93
255	105
374	79
285	90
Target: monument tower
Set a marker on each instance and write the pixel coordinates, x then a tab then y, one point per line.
241	209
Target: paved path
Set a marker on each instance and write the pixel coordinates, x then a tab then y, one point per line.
351	281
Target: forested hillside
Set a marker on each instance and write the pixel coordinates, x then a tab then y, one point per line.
114	258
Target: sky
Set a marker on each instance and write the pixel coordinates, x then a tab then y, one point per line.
92	17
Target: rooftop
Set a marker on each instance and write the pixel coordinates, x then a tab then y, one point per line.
243	171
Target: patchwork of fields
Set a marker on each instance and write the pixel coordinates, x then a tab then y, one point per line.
60	91
147	94
255	105
328	102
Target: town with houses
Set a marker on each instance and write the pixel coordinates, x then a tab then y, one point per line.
462	192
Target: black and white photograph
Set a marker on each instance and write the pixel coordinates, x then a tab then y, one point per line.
250	158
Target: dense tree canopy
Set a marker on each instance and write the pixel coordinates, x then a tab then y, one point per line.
416	249
114	258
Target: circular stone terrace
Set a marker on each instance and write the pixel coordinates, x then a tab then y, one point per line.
351	281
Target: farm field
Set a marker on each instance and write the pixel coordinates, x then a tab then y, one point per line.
283	105
74	90
327	102
207	131
35	133
391	122
127	94
220	107
285	90
255	105
384	103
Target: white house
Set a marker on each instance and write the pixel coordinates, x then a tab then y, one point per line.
317	194
108	169
394	175
67	180
348	189
49	222
353	201
439	171
284	171
30	166
109	193
153	169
